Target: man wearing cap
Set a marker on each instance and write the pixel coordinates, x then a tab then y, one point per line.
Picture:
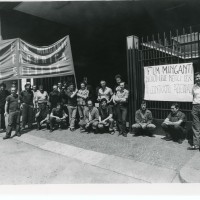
3	94
27	100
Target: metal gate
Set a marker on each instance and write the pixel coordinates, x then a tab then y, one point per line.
172	48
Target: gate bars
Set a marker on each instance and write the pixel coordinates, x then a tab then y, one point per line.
172	48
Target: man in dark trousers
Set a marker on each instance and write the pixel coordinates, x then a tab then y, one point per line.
54	97
12	109
196	113
3	94
143	119
58	116
27	100
174	125
42	116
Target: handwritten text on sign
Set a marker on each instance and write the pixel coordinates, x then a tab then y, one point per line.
172	82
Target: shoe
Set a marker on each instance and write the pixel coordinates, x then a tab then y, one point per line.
18	134
72	129
51	130
112	132
180	141
120	133
6	137
124	134
38	128
22	128
168	139
193	148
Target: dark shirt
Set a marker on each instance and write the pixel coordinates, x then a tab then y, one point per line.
44	112
63	96
27	97
71	101
58	112
104	113
176	117
145	117
54	98
3	95
12	103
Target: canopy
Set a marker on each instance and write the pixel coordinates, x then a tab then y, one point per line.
19	59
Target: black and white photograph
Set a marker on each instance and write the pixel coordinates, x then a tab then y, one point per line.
100	92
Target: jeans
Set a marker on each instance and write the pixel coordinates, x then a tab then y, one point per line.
196	124
137	128
72	115
2	111
174	131
13	120
92	125
121	117
27	115
54	121
109	125
81	110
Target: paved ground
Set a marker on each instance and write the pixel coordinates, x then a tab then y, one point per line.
149	150
94	158
25	164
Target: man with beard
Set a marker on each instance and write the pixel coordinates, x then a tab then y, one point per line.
3	94
105	117
143	119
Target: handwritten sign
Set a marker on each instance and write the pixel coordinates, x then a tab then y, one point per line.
172	82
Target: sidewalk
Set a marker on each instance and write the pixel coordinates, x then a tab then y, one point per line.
146	159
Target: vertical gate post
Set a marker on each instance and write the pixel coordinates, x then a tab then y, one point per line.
133	76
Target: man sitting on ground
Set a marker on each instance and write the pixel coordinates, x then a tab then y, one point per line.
42	116
58	116
91	118
174	125
105	117
143	118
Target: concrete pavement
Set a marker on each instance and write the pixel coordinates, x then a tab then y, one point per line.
22	163
146	169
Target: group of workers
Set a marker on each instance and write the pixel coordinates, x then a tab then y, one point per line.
59	109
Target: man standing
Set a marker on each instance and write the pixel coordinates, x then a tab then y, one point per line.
82	96
41	97
27	100
59	87
57	115
42	116
91	118
121	100
54	97
3	94
174	125
12	108
105	92
143	119
89	88
105	117
196	113
72	105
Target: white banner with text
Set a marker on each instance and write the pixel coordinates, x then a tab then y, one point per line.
171	82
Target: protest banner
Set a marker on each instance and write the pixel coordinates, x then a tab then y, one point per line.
171	82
